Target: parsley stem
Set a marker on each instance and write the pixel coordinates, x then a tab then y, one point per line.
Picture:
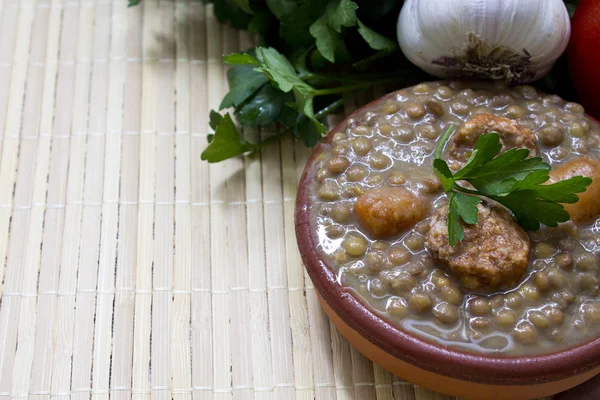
465	190
443	140
342	89
316	79
366	62
330	108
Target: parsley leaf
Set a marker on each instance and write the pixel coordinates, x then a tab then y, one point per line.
295	17
282	8
375	40
284	76
305	101
244	81
215	119
530	210
279	69
561	191
511	164
486	148
512	179
226	11
262	108
240	59
327	39
444	173
465	207
259	23
226	142
311	132
243	5
342	13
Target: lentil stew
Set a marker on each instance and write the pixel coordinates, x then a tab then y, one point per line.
376	205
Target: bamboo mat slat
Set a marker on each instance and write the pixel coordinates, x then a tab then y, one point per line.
129	267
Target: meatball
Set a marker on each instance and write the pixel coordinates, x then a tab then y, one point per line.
511	135
387	211
493	254
588	206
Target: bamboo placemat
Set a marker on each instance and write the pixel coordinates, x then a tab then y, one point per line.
130	268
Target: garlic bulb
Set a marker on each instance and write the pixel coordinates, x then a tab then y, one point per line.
513	40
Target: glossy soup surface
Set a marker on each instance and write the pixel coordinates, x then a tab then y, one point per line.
554	305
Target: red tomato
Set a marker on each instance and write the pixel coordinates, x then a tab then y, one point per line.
584	54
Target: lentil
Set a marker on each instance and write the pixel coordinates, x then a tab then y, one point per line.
555	315
460	108
444	93
541	280
337	165
391	108
539	319
356	173
385	130
355	246
446	313
419	301
587	261
362	130
544	250
529	292
479	307
480	324
378	288
515	112
414	242
564	260
415	110
380	245
422	88
434	107
335	231
376	261
379	161
505	317
451	294
397	308
590	313
439	280
552	136
397	178
361	146
329	191
514	300
398	255
404	135
576	130
525	332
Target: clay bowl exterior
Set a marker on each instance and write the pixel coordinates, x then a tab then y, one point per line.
426	363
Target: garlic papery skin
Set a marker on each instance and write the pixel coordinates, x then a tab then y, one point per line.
513	40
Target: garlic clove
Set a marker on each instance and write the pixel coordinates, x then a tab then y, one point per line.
510	40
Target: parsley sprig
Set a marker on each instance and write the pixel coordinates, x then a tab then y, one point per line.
266	89
512	179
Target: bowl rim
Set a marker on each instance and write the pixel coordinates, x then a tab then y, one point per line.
425	354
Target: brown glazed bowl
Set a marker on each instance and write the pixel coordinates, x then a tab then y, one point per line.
425	363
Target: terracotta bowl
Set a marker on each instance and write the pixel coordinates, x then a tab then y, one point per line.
426	363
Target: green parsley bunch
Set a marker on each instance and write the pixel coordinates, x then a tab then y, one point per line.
313	55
